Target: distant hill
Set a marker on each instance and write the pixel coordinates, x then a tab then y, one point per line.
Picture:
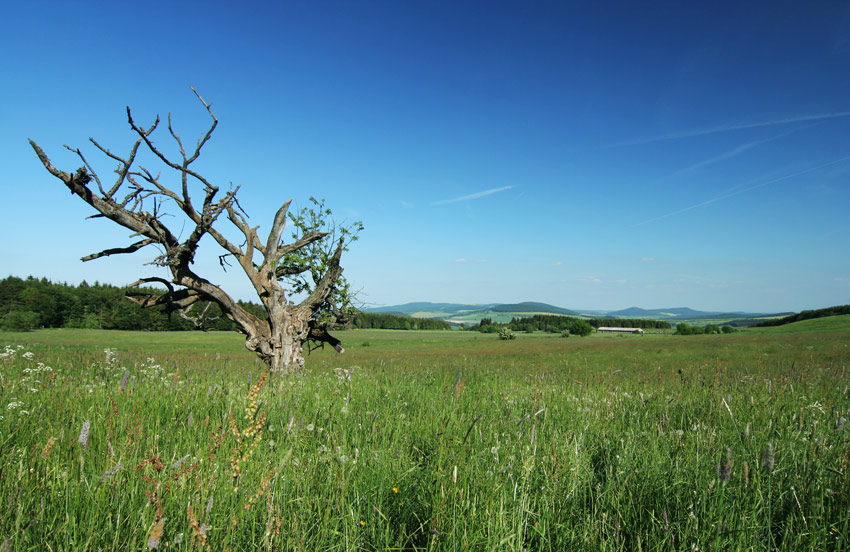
834	323
678	312
424	309
503	312
808	315
466	313
532	307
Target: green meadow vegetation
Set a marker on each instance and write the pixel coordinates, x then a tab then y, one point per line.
428	440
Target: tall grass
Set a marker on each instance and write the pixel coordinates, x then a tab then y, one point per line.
426	441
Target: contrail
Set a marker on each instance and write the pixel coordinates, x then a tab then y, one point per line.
739	190
729	128
472	196
737	151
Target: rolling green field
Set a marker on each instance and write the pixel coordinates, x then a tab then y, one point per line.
428	441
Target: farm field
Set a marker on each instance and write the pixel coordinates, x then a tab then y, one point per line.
431	440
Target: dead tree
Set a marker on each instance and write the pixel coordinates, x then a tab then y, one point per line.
308	266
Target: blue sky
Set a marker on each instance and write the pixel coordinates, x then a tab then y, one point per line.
589	155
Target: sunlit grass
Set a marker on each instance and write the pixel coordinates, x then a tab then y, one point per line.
427	440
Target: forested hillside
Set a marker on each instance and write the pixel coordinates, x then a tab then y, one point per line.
555	323
807	315
39	303
31	303
386	321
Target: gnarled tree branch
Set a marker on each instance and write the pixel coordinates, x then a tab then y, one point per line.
278	339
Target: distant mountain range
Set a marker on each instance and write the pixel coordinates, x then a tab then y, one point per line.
504	312
679	312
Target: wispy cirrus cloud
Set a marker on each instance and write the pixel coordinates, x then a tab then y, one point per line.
735	152
730	128
469	197
741	188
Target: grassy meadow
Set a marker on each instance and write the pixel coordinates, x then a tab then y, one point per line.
428	441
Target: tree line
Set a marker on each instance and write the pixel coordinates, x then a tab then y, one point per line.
683	328
807	315
373	320
31	303
557	324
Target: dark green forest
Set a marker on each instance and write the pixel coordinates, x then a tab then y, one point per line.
807	315
556	324
32	303
370	320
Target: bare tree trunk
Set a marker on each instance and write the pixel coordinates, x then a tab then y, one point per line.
291	333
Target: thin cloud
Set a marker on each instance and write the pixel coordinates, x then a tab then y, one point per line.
559	263
737	190
647	259
735	152
460	260
729	128
469	197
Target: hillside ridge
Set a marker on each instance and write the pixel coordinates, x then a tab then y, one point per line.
504	312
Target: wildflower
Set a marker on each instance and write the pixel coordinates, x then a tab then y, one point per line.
726	466
48	448
179	462
156	534
198	531
110	473
310	427
83	439
769	458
